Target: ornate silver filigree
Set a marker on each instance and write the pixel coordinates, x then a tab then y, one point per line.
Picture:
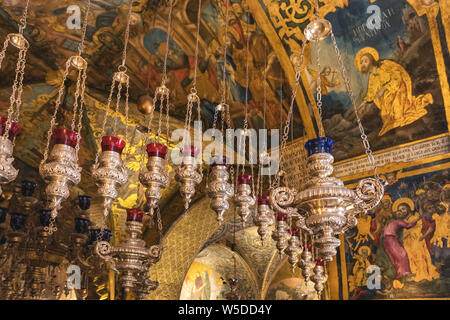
61	171
319	278
325	207
188	178
264	220
7	172
306	264
219	190
243	201
293	250
109	174
155	179
131	257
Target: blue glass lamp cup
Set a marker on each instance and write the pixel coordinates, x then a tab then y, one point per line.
84	202
3	212
27	187
319	145
82	225
106	236
44	217
17	220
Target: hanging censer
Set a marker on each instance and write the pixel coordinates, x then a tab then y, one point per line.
325	206
187	174
9	128
109	171
156	177
60	169
218	188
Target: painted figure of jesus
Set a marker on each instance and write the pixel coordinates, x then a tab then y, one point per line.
394	249
390	89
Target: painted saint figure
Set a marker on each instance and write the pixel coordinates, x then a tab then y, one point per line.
418	255
390	89
394	249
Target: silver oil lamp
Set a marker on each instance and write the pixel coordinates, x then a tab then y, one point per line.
219	189
61	169
187	174
110	172
7	172
243	198
156	177
264	217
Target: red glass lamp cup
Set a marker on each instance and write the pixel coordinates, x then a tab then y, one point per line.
65	136
319	262
263	200
295	232
135	215
14	128
244	179
189	151
157	150
115	144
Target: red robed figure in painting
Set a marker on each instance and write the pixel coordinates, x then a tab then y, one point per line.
395	251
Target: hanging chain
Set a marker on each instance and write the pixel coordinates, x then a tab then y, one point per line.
55	112
80	118
194	83
364	138
108	107
224	85
116	112
276	180
319	91
159	224
23	19
3	52
75	103
17	89
166	54
127	33
83	32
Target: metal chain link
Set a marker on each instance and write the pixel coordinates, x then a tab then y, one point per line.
166	54
159	224
194	83
276	181
116	112
75	103
23	19
127	33
83	34
17	88
224	85
80	118
108	107
319	91
55	112
127	95
365	141
3	52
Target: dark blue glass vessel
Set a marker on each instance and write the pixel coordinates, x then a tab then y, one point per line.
17	220
319	145
84	202
82	225
3	212
44	217
106	236
27	187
